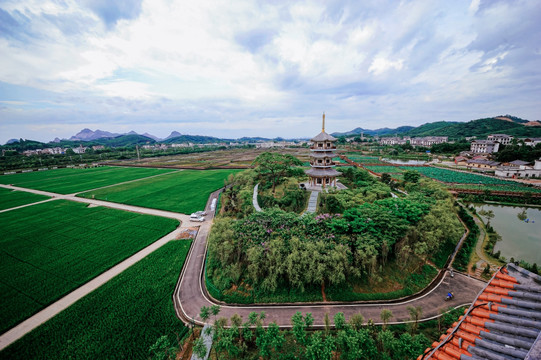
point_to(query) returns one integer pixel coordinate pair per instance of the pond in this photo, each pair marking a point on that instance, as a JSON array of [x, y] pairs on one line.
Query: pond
[[520, 229], [404, 162]]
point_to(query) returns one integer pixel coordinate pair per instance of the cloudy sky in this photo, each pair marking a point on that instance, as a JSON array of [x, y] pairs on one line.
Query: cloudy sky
[[256, 68]]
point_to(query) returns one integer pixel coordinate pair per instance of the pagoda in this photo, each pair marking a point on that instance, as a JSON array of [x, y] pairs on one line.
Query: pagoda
[[322, 149]]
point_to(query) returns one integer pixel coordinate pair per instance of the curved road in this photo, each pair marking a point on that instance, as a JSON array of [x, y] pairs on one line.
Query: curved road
[[189, 295]]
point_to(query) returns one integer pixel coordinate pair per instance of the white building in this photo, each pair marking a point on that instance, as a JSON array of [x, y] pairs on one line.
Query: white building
[[501, 138], [484, 146], [532, 141], [520, 171]]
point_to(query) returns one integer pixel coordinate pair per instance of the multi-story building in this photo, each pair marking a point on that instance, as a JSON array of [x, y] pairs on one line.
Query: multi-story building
[[322, 149], [484, 146], [501, 138]]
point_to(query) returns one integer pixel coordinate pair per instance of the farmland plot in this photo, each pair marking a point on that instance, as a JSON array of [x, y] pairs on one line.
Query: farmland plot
[[183, 191], [385, 169], [10, 198], [120, 320], [49, 249], [450, 176], [71, 180]]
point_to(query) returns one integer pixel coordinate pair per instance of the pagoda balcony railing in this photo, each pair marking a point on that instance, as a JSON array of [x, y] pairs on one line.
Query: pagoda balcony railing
[[332, 147]]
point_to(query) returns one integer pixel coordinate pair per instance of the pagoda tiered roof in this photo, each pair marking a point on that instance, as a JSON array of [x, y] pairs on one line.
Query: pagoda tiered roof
[[504, 322], [323, 136]]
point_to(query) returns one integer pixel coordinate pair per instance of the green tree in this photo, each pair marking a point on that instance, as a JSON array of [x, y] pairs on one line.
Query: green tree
[[215, 310], [162, 349], [385, 316], [199, 348], [411, 176], [270, 341], [356, 321], [274, 166], [204, 313], [415, 313]]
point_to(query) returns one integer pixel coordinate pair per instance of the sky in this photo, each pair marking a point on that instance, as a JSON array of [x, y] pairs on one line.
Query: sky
[[262, 68]]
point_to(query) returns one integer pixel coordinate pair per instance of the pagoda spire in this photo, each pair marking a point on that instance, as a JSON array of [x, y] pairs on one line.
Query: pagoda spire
[[323, 126]]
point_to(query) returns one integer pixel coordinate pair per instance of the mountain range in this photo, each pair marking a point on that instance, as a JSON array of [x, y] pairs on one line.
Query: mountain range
[[508, 124]]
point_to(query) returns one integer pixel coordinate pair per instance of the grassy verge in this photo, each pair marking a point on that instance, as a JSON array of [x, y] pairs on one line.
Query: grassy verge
[[184, 191], [52, 248], [10, 198], [71, 180], [120, 320]]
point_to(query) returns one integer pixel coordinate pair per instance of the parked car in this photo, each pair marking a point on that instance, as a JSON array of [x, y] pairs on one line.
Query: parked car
[[198, 214], [198, 219]]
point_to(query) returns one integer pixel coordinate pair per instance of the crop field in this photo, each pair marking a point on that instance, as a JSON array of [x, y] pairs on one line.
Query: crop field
[[233, 158], [49, 249], [120, 320], [10, 198], [184, 191], [71, 180], [362, 159], [450, 176], [385, 169], [511, 188]]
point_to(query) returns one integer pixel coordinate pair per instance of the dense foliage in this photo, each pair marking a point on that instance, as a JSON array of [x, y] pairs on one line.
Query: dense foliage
[[49, 249], [120, 320], [463, 256], [518, 151], [271, 250], [352, 338]]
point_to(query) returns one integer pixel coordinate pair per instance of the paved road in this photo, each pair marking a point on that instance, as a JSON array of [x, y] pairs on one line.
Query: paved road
[[189, 295]]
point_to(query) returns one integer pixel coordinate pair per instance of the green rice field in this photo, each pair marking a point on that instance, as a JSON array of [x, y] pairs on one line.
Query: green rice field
[[385, 169], [511, 188], [363, 159], [183, 191], [120, 320], [10, 198], [72, 180], [49, 249]]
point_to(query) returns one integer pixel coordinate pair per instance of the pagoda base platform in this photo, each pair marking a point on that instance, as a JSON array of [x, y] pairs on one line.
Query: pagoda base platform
[[339, 186]]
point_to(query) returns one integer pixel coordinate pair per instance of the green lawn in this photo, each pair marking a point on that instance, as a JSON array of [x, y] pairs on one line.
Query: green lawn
[[10, 198], [49, 249], [120, 320], [71, 180], [184, 191]]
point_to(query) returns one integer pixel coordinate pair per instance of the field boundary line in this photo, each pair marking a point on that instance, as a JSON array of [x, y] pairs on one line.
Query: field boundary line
[[125, 182], [26, 205]]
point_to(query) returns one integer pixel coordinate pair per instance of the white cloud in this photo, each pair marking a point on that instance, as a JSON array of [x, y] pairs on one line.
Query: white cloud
[[240, 65]]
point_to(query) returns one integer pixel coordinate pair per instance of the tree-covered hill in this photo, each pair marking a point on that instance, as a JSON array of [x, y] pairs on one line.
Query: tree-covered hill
[[480, 128]]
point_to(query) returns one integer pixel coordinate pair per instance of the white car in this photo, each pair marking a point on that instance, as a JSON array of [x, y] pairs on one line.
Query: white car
[[198, 214], [198, 219]]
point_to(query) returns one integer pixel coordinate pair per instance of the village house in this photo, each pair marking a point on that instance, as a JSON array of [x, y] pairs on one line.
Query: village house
[[501, 138], [484, 146], [483, 164], [519, 169]]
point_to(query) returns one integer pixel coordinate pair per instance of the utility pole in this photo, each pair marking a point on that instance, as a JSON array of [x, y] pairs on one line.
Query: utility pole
[[138, 155]]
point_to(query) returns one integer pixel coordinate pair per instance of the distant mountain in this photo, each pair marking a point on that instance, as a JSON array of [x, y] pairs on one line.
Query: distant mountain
[[173, 134], [151, 136], [11, 141], [481, 128], [508, 124], [196, 139], [88, 135], [377, 132]]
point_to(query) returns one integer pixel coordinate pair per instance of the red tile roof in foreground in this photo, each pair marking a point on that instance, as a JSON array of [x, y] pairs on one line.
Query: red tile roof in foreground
[[504, 322]]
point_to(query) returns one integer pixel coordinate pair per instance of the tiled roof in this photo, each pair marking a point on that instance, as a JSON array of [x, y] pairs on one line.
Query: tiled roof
[[504, 322], [323, 136]]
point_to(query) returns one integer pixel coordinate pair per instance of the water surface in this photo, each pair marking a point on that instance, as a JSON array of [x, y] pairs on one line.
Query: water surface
[[520, 229]]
